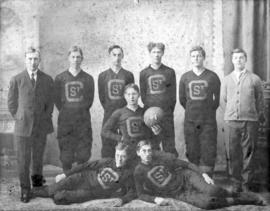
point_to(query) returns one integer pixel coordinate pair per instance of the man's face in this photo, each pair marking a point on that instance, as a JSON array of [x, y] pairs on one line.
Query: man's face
[[116, 57], [131, 96], [32, 61], [196, 58], [145, 153], [239, 61], [120, 158], [156, 55], [75, 59]]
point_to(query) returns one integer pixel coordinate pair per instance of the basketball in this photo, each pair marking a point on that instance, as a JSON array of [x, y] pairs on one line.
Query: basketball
[[153, 116]]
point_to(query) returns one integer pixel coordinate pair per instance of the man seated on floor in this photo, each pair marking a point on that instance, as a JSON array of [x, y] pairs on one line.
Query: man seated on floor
[[105, 178], [159, 178]]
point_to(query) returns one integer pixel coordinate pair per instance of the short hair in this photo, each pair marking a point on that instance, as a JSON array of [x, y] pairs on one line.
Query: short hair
[[239, 50], [122, 146], [75, 48], [133, 86], [114, 47], [158, 45], [31, 49], [143, 143], [198, 48]]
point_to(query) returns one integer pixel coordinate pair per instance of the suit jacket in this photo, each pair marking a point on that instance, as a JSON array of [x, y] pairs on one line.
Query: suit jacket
[[31, 106]]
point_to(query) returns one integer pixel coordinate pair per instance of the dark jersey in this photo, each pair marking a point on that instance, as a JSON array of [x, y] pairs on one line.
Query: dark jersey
[[107, 180], [160, 177], [111, 86], [130, 125], [74, 95], [199, 95], [158, 87]]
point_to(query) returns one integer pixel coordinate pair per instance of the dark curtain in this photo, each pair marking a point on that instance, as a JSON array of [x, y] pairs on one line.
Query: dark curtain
[[246, 25]]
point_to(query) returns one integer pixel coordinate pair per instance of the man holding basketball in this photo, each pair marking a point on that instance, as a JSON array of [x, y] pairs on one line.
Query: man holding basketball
[[129, 121], [158, 88]]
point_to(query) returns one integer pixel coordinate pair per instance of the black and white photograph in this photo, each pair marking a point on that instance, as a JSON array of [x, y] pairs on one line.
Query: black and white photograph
[[134, 105]]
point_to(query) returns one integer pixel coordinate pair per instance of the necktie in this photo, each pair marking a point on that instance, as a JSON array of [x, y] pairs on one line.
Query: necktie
[[240, 75], [33, 81]]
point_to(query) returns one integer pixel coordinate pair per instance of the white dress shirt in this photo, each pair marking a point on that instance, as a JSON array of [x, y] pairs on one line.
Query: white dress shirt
[[239, 74], [33, 72]]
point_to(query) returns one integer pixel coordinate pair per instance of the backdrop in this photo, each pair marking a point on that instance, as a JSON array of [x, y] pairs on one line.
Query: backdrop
[[247, 25]]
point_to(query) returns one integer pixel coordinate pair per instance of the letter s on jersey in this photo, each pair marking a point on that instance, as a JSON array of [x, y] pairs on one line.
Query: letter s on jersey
[[73, 91], [159, 176], [156, 84], [134, 126], [115, 89], [198, 89], [107, 177]]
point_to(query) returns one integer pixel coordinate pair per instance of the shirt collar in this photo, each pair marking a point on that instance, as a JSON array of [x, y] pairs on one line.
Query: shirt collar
[[238, 73], [198, 72], [158, 67], [116, 72], [74, 72], [32, 72]]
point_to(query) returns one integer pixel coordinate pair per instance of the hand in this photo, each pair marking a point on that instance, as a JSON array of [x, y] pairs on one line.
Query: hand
[[161, 201], [156, 129], [60, 177], [117, 203], [208, 179]]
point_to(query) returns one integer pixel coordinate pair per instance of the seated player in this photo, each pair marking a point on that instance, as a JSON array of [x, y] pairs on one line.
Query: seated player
[[105, 178], [159, 178], [129, 122]]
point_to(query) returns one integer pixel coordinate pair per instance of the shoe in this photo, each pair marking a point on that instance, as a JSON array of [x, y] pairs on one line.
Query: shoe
[[25, 196], [252, 198], [40, 191], [245, 188], [38, 180]]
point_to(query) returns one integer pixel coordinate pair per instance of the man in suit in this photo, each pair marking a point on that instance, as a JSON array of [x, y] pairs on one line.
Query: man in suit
[[31, 105]]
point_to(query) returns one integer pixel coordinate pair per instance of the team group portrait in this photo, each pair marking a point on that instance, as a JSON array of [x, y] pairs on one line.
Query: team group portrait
[[136, 104]]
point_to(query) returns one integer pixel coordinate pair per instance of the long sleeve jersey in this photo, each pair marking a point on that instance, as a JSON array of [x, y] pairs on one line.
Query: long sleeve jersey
[[74, 94], [243, 99], [199, 95], [160, 177], [158, 87], [111, 87], [107, 180], [130, 125]]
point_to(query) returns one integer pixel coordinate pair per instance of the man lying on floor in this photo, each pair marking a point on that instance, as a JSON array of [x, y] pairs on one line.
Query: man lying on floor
[[105, 178], [159, 178]]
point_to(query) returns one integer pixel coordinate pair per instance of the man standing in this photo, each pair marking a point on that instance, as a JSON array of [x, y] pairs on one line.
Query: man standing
[[199, 95], [158, 88], [74, 94], [242, 99], [30, 103], [111, 85]]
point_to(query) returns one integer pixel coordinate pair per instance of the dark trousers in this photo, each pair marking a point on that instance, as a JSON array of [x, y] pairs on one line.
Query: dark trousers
[[73, 189], [108, 145], [197, 192], [27, 148], [167, 136], [201, 144], [242, 136], [75, 143]]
